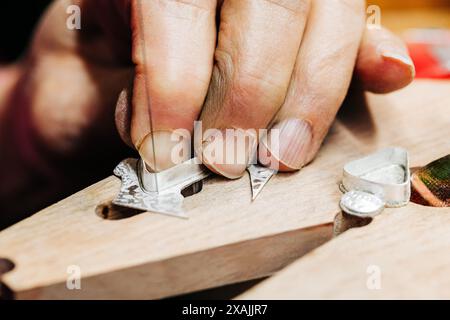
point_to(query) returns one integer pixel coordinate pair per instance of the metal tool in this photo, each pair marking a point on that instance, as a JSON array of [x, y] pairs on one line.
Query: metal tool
[[373, 182], [259, 176], [164, 192], [160, 193]]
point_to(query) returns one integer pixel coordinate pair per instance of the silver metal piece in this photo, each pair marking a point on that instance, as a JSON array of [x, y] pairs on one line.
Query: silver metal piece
[[384, 174], [178, 177], [259, 176], [361, 204], [160, 193]]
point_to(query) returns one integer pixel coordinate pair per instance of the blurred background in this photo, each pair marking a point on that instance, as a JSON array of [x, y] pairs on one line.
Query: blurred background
[[19, 17], [399, 15], [17, 20]]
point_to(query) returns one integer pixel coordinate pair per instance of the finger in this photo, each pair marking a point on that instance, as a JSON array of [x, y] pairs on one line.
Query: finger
[[383, 64], [173, 47], [257, 47], [319, 84]]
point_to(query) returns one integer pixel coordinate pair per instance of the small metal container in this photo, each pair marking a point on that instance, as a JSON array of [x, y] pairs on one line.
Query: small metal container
[[384, 174]]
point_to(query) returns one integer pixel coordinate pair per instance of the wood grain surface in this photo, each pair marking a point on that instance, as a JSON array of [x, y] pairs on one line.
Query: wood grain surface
[[401, 254], [227, 238]]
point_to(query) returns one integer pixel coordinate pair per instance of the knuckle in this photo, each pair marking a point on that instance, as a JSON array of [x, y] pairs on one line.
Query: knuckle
[[196, 5], [236, 92], [295, 7], [166, 91], [253, 93], [355, 6]]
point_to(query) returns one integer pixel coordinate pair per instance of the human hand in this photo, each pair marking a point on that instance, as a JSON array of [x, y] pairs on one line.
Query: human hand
[[284, 64], [281, 63]]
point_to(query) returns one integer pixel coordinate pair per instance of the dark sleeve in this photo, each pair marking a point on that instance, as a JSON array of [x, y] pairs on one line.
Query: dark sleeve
[[17, 21]]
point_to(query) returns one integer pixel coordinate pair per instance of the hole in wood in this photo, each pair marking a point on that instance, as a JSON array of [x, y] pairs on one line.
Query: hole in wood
[[344, 222], [192, 189], [110, 211], [6, 265]]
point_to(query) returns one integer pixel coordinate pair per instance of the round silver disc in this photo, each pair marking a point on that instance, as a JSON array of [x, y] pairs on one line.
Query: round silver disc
[[361, 204]]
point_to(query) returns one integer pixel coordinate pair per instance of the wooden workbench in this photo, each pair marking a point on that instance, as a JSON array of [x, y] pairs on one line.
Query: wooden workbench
[[230, 239], [402, 254]]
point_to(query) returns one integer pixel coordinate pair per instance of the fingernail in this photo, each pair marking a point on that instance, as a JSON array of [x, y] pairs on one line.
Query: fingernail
[[162, 150], [228, 152], [122, 116], [393, 52], [288, 145]]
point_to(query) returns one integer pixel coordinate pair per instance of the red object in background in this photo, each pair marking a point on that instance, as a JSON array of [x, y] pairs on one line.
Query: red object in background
[[430, 52]]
